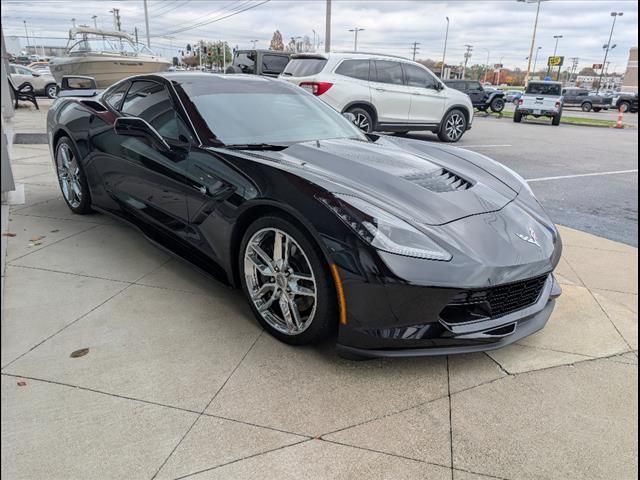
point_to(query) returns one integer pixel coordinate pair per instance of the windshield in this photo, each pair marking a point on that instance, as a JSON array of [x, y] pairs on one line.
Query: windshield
[[544, 88], [103, 44], [284, 117]]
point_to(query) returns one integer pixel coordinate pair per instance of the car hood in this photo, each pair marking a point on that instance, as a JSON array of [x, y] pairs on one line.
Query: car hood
[[428, 186]]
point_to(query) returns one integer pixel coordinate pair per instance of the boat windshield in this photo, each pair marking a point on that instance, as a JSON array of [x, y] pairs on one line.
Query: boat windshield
[[104, 44], [144, 50]]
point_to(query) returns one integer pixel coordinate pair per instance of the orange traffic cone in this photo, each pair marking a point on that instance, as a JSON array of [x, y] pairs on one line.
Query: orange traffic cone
[[620, 115]]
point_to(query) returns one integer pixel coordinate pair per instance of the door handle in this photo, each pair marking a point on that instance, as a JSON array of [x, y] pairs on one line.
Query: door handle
[[381, 89], [201, 188]]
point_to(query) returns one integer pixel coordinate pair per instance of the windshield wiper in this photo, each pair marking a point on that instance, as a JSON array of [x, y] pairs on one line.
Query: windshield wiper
[[256, 146]]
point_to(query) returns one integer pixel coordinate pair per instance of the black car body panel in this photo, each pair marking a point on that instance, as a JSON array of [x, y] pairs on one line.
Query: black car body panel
[[196, 199], [580, 97]]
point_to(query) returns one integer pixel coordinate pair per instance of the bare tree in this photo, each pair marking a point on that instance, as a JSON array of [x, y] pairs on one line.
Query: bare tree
[[276, 41]]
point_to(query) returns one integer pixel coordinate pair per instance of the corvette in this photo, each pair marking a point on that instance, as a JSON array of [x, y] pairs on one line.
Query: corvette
[[395, 246]]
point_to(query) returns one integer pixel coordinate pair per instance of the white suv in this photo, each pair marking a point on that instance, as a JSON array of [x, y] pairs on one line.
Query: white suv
[[383, 92]]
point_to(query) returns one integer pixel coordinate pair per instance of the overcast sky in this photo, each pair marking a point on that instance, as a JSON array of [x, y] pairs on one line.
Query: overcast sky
[[502, 27]]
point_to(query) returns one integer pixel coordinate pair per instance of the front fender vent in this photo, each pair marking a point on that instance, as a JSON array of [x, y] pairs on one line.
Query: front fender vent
[[440, 181]]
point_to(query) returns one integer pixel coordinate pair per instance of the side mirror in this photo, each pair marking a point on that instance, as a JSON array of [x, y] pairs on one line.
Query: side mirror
[[34, 74], [349, 116], [137, 127]]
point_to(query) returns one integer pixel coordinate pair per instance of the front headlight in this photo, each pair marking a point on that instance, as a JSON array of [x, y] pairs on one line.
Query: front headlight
[[383, 230]]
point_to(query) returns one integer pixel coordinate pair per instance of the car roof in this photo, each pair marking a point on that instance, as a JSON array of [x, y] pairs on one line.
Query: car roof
[[341, 55], [200, 83]]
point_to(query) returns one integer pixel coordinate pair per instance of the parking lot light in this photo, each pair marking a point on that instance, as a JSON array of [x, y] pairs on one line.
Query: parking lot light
[[606, 52]]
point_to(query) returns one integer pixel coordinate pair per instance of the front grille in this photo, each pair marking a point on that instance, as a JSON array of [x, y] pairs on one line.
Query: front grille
[[475, 305], [439, 181]]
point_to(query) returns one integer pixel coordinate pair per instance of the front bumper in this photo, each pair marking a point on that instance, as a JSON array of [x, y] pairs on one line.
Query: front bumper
[[438, 338]]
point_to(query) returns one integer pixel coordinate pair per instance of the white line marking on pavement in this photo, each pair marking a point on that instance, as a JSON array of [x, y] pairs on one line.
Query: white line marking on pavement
[[596, 174], [486, 146]]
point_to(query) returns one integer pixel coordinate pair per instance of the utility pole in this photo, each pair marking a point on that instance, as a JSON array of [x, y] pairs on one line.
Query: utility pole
[[327, 28], [355, 42], [146, 23], [415, 48], [533, 42], [467, 56], [116, 18], [574, 66], [135, 31], [444, 53], [614, 15]]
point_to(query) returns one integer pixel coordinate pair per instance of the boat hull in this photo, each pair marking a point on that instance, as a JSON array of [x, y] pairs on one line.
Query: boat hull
[[106, 71]]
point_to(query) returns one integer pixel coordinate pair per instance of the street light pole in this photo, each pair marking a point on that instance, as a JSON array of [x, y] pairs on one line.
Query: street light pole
[[535, 60], [555, 50], [355, 42], [486, 70], [146, 23], [614, 15], [26, 32], [327, 28], [444, 53]]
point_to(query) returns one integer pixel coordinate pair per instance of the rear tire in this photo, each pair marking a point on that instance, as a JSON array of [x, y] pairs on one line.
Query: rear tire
[[453, 126], [586, 107], [624, 106], [497, 105], [364, 120], [556, 119], [517, 117], [302, 257]]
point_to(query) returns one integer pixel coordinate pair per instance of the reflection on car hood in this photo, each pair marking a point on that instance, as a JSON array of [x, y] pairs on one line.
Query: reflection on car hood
[[426, 186]]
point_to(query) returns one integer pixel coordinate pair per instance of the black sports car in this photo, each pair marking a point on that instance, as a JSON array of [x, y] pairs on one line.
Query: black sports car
[[404, 247]]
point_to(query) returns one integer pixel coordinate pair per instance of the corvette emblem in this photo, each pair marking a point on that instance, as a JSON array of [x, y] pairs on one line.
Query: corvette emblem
[[531, 238]]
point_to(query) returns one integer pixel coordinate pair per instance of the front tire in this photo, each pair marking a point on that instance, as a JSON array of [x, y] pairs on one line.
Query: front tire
[[71, 178], [51, 90], [517, 116], [364, 120], [586, 107], [287, 282], [497, 105], [453, 126]]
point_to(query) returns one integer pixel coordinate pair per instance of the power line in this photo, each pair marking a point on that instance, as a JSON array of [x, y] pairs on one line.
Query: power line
[[243, 7]]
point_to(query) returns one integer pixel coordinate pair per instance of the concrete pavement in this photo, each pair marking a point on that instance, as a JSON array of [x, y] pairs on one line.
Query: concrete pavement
[[179, 380]]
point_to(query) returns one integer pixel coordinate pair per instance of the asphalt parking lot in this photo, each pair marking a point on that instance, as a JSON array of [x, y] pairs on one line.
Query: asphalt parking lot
[[586, 177]]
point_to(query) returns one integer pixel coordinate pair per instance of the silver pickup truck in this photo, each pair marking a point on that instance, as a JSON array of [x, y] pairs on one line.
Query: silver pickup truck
[[541, 99]]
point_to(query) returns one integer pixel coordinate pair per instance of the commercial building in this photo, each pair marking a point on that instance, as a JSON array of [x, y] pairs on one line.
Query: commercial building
[[630, 82]]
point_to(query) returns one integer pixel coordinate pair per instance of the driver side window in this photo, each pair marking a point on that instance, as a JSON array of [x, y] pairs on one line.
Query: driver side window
[[417, 77], [151, 102]]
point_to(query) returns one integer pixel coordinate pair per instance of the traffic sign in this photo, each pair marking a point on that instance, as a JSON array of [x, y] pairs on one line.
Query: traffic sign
[[597, 66], [555, 61]]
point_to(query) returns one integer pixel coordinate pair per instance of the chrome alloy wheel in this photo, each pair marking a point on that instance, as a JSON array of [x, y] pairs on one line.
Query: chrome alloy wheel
[[69, 175], [362, 122], [454, 126], [281, 284]]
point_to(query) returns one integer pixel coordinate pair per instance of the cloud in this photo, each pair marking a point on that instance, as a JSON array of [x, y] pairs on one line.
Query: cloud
[[503, 28]]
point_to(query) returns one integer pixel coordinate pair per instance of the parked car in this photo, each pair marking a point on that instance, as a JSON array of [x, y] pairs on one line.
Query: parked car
[[540, 99], [384, 93], [580, 97], [512, 95], [43, 84], [259, 62], [40, 67], [481, 97], [402, 246], [628, 102]]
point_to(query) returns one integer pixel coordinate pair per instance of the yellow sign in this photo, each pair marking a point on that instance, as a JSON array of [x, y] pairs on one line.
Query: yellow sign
[[555, 61]]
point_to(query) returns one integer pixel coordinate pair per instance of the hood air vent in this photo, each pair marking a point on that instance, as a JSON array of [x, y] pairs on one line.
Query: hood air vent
[[439, 181]]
